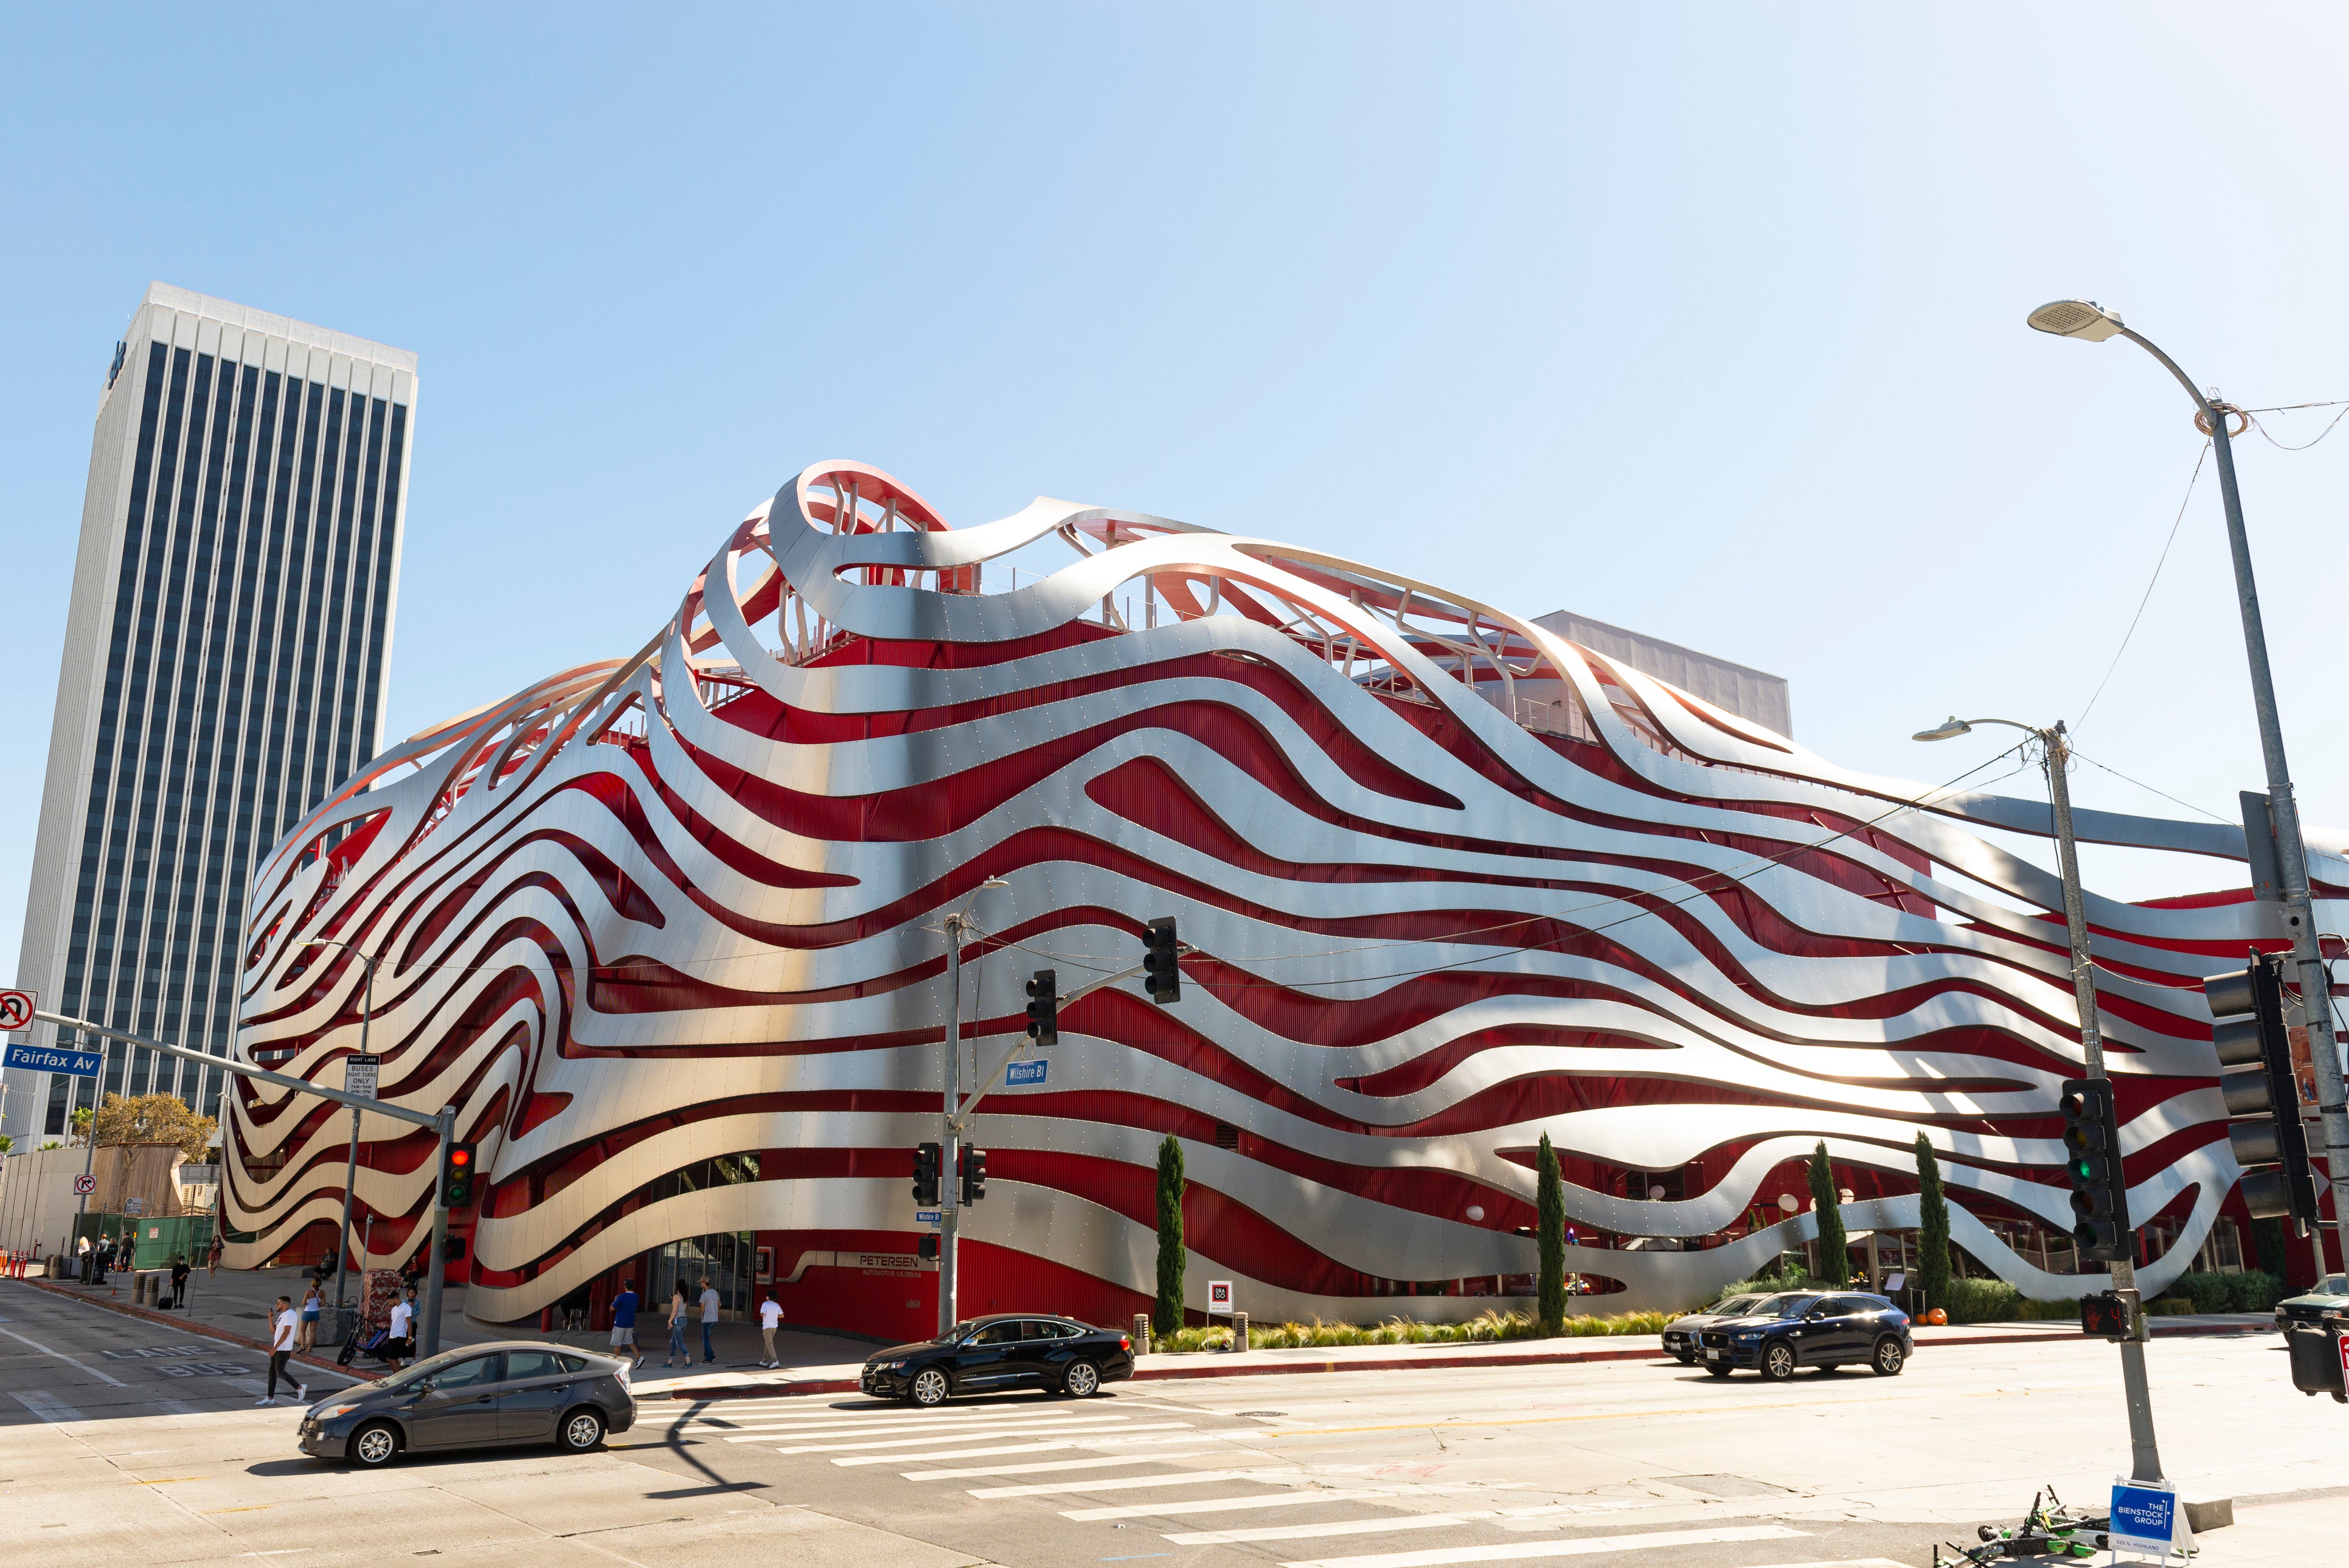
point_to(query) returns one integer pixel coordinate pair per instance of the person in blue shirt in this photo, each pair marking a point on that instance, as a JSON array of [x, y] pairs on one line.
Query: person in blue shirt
[[624, 1324]]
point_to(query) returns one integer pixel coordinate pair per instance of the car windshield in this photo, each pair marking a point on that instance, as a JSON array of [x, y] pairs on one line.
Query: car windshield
[[1736, 1307], [2332, 1284], [1791, 1305], [963, 1330], [421, 1369]]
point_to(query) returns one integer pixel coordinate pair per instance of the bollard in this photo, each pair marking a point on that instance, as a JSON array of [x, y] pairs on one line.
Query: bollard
[[1142, 1334], [1239, 1331]]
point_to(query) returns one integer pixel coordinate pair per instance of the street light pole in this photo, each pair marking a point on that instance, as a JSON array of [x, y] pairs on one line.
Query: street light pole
[[949, 1134], [351, 1168], [2091, 322], [2055, 755]]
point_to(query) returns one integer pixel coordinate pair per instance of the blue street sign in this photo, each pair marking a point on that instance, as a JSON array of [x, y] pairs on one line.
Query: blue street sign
[[1025, 1072], [925, 1216], [2144, 1519], [50, 1059]]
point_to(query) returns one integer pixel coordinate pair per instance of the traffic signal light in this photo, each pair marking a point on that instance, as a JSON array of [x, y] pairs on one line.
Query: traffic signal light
[[457, 1176], [928, 1248], [974, 1175], [2256, 1077], [1044, 1008], [1161, 975], [2106, 1316], [925, 1175], [2091, 1159]]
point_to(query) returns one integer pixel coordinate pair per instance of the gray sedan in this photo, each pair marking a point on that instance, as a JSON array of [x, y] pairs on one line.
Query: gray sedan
[[482, 1396]]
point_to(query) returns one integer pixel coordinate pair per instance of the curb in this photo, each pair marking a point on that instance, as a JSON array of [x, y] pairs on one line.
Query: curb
[[186, 1325], [1208, 1367]]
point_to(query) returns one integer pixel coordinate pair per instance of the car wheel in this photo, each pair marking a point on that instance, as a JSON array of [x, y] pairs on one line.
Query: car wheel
[[1888, 1359], [1777, 1361], [1081, 1380], [375, 1445], [928, 1389], [1716, 1369], [582, 1431]]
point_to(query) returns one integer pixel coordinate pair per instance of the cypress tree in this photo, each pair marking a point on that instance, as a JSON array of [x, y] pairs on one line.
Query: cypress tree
[[1550, 1199], [1168, 1315], [1933, 1228], [1834, 1262]]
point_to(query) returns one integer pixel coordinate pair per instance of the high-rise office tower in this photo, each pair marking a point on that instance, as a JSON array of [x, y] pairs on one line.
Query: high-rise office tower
[[223, 668]]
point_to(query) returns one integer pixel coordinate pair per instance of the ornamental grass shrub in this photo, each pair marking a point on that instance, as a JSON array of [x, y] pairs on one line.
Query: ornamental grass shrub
[[1489, 1328]]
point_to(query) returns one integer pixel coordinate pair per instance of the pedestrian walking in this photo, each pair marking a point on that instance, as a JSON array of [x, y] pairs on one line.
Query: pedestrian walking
[[311, 1301], [280, 1351], [771, 1317], [397, 1337], [624, 1324], [680, 1312], [709, 1321], [211, 1265], [179, 1272]]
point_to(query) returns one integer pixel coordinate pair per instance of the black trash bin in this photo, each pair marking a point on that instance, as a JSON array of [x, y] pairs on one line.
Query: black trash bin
[[2316, 1359]]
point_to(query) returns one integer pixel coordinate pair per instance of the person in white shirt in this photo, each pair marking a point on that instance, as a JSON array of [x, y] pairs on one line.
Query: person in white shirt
[[403, 1317], [281, 1350], [709, 1321], [771, 1317]]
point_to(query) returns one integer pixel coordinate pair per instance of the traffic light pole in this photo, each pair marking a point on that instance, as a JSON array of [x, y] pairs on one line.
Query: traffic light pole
[[2292, 859], [428, 1329], [2143, 1456], [950, 1128]]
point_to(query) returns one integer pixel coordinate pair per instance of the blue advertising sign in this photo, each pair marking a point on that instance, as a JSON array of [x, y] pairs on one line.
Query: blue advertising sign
[[2145, 1519], [50, 1059], [1025, 1072]]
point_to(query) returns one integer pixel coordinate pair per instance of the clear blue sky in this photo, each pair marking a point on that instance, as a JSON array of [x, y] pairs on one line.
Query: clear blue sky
[[1704, 320]]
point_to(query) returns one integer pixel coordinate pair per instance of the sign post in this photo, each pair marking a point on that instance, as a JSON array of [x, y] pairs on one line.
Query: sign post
[[1219, 1297]]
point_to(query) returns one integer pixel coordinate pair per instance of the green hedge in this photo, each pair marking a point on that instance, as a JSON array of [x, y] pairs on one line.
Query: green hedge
[[2250, 1291], [1983, 1301], [1488, 1328]]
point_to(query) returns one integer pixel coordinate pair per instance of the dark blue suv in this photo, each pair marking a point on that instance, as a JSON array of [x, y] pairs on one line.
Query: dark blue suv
[[1808, 1328]]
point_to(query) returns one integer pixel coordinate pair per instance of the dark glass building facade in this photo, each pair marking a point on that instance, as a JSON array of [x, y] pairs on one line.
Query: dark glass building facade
[[231, 620]]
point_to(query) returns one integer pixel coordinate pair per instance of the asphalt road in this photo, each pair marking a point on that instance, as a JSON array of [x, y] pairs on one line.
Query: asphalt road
[[120, 1441]]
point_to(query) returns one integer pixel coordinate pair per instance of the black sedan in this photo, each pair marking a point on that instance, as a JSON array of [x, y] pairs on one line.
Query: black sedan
[[1007, 1350], [482, 1396], [1680, 1334], [1806, 1328]]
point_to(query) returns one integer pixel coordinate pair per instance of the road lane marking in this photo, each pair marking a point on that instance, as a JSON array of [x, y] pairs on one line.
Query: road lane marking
[[1374, 1526], [1220, 1504], [1042, 1466], [950, 1426], [1128, 1482], [64, 1357], [49, 1407], [953, 1453], [1589, 1545], [1053, 1430]]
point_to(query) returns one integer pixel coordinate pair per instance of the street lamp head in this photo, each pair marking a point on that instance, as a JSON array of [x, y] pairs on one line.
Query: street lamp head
[[995, 881], [2081, 318], [1948, 730]]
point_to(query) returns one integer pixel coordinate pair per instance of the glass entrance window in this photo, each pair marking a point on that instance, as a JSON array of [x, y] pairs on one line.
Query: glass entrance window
[[728, 1258]]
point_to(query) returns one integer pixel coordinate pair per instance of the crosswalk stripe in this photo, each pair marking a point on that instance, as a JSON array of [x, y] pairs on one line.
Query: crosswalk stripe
[[946, 1426], [797, 1420], [1219, 1504], [1128, 1482], [1041, 1466], [1379, 1525], [1525, 1551], [1845, 1562], [954, 1453], [1055, 1429]]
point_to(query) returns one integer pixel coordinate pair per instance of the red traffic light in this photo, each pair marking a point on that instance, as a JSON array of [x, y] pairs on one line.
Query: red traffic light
[[461, 1156]]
